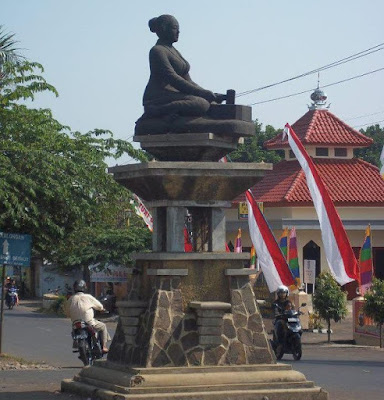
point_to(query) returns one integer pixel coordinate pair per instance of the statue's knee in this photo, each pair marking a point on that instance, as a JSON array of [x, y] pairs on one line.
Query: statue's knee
[[202, 105]]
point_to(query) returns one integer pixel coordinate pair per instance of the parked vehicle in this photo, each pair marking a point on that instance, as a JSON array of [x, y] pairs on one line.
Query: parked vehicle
[[292, 343], [108, 300], [86, 342], [11, 297]]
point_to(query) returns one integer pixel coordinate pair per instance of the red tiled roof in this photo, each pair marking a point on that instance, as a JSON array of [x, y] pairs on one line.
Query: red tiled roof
[[351, 182], [321, 127]]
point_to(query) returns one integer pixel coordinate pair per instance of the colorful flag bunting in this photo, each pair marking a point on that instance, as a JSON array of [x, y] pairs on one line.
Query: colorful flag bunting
[[238, 245], [252, 262], [271, 259], [293, 259], [338, 250], [227, 249], [283, 242], [365, 262]]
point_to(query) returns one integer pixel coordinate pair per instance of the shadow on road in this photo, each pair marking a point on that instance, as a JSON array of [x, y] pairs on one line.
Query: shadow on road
[[38, 395], [365, 364]]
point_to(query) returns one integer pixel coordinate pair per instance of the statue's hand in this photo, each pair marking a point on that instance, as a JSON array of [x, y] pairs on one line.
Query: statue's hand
[[208, 95], [220, 97]]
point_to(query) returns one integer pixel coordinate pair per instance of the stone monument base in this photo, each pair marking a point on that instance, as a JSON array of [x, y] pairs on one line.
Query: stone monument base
[[109, 381]]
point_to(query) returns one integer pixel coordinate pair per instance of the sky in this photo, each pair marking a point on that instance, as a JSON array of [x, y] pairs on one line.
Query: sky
[[95, 53]]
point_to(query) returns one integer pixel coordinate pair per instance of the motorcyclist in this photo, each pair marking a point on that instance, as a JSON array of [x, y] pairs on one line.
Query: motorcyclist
[[11, 284], [280, 305], [81, 307]]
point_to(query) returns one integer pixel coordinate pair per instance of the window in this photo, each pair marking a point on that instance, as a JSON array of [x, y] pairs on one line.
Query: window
[[291, 154], [340, 152], [322, 151]]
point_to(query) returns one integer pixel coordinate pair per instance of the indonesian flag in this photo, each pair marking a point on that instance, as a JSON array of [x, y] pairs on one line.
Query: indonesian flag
[[271, 259], [338, 251]]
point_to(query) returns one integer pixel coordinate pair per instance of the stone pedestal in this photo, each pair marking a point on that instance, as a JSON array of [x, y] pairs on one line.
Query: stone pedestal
[[190, 327]]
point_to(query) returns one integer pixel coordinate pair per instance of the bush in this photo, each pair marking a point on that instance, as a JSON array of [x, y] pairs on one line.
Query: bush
[[329, 301], [58, 305]]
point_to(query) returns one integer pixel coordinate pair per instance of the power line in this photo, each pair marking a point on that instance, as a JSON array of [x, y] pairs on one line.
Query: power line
[[370, 123], [365, 115], [310, 90], [323, 68]]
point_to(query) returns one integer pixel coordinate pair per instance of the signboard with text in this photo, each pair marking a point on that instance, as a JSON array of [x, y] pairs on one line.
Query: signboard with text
[[309, 269], [15, 249], [243, 209]]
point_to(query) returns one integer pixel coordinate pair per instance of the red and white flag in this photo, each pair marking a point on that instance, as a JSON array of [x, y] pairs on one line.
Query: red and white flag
[[338, 251], [271, 259]]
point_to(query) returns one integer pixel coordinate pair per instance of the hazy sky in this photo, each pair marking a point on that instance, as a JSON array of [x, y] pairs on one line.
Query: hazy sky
[[95, 52]]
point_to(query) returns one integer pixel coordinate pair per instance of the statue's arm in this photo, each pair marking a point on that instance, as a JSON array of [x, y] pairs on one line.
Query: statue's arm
[[162, 68]]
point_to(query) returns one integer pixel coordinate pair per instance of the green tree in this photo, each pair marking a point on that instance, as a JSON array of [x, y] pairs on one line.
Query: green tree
[[8, 50], [329, 300], [253, 149], [374, 304], [53, 182], [372, 153]]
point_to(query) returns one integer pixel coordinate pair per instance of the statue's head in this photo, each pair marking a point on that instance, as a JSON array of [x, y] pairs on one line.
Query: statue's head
[[166, 27]]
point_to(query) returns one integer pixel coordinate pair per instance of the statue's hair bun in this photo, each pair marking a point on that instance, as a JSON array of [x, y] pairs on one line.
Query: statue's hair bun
[[153, 24]]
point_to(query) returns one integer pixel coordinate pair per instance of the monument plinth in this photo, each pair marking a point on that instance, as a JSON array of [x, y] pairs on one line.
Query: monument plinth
[[190, 327]]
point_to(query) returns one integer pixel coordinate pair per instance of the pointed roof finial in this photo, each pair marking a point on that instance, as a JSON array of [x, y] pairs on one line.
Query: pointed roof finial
[[319, 97]]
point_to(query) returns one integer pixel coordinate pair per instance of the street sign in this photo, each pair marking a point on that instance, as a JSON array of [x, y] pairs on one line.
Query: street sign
[[15, 249]]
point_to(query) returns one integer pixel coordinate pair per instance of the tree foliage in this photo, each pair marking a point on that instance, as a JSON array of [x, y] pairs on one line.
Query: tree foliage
[[54, 183], [329, 300], [372, 153], [253, 149], [374, 304]]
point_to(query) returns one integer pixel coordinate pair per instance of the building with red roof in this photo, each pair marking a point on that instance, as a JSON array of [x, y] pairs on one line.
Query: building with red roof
[[355, 186]]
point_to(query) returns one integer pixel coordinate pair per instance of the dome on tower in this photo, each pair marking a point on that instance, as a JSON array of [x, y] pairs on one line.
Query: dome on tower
[[319, 100]]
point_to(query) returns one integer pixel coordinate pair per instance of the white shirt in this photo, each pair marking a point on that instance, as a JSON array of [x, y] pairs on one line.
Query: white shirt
[[80, 306]]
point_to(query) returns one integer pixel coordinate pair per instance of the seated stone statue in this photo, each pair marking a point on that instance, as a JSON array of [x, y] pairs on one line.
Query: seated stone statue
[[172, 101]]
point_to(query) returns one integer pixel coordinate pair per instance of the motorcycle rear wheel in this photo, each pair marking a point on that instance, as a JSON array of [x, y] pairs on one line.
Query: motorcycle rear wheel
[[296, 350], [84, 353]]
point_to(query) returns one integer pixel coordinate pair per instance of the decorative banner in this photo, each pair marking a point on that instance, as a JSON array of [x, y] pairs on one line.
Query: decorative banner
[[283, 242], [272, 262], [293, 259], [238, 245], [142, 212], [382, 163], [252, 262], [338, 251], [108, 273], [365, 262]]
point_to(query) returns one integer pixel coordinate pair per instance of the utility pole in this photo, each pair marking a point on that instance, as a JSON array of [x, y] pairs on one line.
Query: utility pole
[[2, 305]]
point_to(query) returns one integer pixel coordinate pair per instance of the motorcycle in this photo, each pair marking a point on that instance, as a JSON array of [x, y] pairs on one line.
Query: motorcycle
[[11, 298], [292, 344], [87, 342]]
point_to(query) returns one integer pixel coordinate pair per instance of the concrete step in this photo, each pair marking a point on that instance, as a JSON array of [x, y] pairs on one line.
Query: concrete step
[[84, 389], [195, 389], [193, 376], [192, 370]]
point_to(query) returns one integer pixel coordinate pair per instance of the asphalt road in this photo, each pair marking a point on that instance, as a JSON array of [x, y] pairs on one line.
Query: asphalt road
[[40, 337], [346, 372]]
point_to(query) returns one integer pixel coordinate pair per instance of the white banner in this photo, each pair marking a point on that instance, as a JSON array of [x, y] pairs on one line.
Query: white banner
[[108, 273], [142, 212]]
